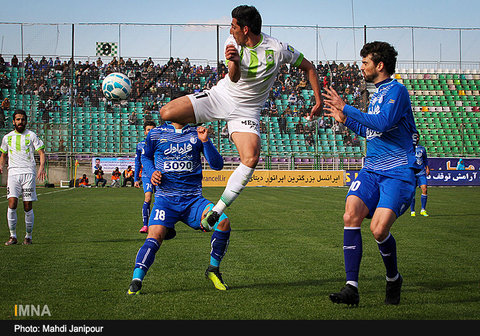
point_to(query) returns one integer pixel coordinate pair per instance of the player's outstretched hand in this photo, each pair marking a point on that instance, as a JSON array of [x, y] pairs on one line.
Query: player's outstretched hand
[[334, 105], [202, 133], [156, 178]]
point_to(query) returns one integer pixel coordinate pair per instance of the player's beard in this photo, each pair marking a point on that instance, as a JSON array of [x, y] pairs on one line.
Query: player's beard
[[370, 78], [20, 128]]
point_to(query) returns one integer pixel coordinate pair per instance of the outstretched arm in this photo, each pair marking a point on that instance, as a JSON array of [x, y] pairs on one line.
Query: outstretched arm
[[312, 76]]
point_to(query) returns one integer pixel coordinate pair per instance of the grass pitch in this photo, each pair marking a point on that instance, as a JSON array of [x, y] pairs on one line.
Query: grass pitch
[[285, 256]]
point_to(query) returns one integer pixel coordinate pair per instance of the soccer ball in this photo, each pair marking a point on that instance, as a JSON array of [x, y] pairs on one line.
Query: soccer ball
[[116, 86]]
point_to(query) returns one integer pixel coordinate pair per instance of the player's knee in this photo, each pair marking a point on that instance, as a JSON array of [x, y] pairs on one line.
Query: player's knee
[[351, 219], [166, 112], [12, 202], [27, 206], [251, 160], [224, 225], [379, 233]]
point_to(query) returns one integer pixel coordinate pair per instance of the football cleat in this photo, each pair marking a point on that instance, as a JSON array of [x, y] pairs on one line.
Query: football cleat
[[27, 241], [212, 273], [144, 229], [348, 295], [135, 286], [11, 241], [424, 213], [412, 213], [208, 222], [392, 291]]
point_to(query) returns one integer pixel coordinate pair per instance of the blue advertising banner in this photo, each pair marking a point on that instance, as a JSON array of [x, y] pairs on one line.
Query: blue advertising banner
[[436, 177], [454, 178]]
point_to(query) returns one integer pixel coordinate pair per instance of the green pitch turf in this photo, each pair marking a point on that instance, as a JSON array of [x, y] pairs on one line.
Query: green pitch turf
[[285, 257]]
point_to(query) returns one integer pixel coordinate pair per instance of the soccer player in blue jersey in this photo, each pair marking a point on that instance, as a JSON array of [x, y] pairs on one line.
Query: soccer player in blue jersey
[[146, 183], [171, 158], [421, 177], [385, 186]]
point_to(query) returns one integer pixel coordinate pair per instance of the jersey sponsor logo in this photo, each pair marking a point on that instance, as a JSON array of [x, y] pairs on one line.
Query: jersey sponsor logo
[[180, 149], [290, 48]]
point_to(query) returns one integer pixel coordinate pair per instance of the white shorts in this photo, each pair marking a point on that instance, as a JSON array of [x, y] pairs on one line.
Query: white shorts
[[22, 185], [211, 105]]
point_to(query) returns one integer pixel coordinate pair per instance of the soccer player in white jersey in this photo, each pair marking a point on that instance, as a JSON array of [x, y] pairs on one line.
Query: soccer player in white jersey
[[253, 59], [20, 145]]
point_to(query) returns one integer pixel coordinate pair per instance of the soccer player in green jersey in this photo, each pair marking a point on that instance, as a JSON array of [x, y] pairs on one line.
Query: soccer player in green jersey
[[19, 145], [254, 60]]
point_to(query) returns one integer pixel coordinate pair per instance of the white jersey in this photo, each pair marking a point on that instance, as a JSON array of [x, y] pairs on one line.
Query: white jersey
[[20, 148], [259, 67]]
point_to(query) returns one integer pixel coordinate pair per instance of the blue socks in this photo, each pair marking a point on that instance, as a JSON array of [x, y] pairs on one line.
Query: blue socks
[[146, 254], [145, 213], [352, 253], [423, 199], [145, 258], [388, 250], [219, 244]]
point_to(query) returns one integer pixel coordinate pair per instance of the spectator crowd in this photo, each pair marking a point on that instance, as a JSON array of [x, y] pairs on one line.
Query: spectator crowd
[[50, 79]]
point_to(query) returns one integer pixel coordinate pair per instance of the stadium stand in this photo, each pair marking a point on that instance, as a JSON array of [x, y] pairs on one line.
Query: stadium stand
[[79, 120]]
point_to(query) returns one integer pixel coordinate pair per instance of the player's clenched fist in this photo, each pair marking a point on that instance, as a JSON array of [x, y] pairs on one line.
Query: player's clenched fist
[[202, 133], [231, 53]]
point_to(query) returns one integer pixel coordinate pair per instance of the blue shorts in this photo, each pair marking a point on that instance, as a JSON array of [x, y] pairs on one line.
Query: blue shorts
[[147, 185], [167, 211], [379, 191], [421, 179]]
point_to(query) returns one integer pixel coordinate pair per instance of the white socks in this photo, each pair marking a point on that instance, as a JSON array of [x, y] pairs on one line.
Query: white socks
[[29, 217], [236, 183], [12, 222]]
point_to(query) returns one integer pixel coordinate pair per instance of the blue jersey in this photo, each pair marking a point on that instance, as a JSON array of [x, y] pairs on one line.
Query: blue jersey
[[422, 159], [388, 127], [176, 154], [138, 160]]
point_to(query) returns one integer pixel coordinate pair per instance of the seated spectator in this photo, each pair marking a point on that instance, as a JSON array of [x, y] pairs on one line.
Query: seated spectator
[[116, 178], [99, 177], [128, 176], [83, 182], [299, 128]]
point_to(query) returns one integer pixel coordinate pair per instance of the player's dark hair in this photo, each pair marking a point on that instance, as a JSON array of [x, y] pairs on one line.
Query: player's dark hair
[[149, 123], [248, 16], [381, 52], [22, 112]]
